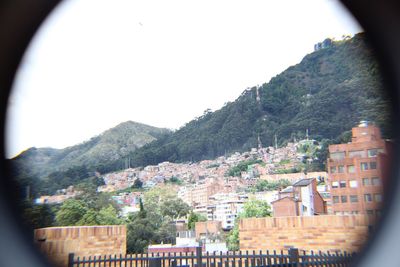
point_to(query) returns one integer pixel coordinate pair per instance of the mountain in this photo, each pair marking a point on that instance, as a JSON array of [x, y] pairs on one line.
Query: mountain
[[105, 152], [327, 93]]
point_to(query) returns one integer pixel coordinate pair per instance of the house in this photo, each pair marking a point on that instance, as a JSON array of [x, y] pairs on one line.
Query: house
[[300, 199]]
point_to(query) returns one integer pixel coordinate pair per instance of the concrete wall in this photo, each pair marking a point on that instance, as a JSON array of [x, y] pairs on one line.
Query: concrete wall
[[325, 233], [57, 242]]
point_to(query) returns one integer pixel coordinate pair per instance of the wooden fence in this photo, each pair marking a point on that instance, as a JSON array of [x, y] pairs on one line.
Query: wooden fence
[[231, 259]]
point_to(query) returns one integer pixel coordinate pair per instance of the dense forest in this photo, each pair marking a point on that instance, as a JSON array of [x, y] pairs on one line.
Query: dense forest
[[327, 93]]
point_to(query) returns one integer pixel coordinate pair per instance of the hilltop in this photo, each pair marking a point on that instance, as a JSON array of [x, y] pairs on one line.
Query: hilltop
[[102, 153]]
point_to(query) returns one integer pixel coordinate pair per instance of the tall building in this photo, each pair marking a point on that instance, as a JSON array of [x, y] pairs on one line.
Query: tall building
[[356, 172]]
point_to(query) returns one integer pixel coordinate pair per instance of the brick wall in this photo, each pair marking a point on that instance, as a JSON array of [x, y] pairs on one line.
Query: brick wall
[[212, 227], [57, 242], [325, 233]]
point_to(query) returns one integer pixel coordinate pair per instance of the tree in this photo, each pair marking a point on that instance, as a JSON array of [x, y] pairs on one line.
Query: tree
[[252, 208], [108, 216], [255, 209], [89, 218], [140, 232], [174, 208], [138, 183], [37, 216], [194, 218], [71, 212]]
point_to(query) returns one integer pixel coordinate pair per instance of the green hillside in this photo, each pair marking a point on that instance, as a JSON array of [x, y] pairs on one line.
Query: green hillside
[[50, 169], [328, 93]]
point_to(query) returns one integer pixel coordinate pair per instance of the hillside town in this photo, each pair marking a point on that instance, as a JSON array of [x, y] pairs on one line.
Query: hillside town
[[349, 194]]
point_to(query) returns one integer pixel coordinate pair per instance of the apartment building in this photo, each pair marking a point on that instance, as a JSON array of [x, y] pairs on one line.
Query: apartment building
[[356, 172]]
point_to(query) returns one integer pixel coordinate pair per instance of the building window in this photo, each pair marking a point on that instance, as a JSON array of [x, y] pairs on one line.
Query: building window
[[342, 184], [372, 152], [353, 183], [333, 169], [343, 199], [351, 169], [364, 166], [341, 169], [367, 198], [370, 212], [378, 197], [357, 153], [335, 184], [353, 198], [365, 181], [375, 181], [335, 199], [372, 165], [378, 213], [337, 155]]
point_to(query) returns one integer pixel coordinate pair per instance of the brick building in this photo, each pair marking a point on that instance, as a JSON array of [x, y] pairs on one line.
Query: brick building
[[356, 172], [300, 199]]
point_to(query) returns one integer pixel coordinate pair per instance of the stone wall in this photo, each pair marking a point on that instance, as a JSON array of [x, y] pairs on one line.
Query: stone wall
[[57, 242], [326, 233]]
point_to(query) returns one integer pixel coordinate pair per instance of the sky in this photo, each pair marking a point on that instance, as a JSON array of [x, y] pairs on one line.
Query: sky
[[96, 63]]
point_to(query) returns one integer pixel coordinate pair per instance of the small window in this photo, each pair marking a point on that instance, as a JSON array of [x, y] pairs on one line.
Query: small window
[[378, 197], [375, 181], [342, 184], [335, 184], [341, 169], [357, 153], [372, 152], [365, 181], [370, 212], [337, 155], [367, 198], [353, 184], [378, 213], [335, 199], [372, 165], [333, 169], [353, 198], [343, 199], [364, 166], [351, 169]]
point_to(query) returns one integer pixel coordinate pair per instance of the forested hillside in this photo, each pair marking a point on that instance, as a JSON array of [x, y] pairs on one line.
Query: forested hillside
[[328, 93], [48, 169]]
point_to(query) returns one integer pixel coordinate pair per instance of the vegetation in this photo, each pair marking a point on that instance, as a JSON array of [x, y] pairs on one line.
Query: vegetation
[[46, 170], [264, 185], [155, 221], [194, 218], [252, 209], [174, 180], [241, 167]]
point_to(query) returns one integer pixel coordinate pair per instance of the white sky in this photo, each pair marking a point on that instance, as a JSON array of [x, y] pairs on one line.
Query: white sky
[[97, 63]]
